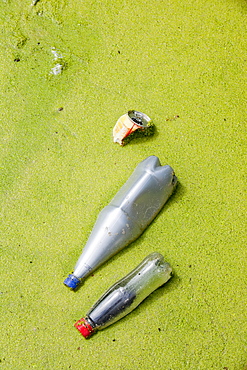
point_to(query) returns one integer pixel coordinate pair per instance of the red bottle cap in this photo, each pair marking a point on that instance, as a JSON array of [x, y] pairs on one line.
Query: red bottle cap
[[84, 328]]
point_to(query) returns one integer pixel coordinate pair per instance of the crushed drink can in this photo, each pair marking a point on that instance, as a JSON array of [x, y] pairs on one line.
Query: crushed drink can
[[130, 122]]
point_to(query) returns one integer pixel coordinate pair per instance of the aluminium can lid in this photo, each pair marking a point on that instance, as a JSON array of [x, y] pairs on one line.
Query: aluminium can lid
[[140, 119]]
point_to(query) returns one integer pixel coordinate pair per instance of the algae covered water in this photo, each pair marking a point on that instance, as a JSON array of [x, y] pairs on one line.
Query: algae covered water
[[68, 71]]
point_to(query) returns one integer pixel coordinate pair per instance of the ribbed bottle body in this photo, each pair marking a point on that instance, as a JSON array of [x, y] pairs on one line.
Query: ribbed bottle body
[[127, 215]]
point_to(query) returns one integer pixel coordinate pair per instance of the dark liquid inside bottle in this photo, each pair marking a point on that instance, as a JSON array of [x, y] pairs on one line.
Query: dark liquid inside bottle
[[111, 305]]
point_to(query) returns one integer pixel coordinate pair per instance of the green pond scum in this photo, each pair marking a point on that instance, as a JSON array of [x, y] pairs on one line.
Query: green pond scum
[[149, 130], [60, 167]]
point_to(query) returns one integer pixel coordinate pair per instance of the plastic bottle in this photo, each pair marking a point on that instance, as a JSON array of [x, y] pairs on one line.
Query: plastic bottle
[[127, 215], [124, 296]]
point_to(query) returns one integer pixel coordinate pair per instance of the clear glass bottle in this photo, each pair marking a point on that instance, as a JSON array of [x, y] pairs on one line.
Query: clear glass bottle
[[125, 295]]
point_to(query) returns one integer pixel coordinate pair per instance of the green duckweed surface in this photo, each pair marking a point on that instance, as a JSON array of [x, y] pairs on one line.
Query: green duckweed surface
[[60, 167]]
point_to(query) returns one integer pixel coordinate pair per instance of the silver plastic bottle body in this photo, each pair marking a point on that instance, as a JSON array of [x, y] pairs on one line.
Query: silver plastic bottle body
[[112, 231], [124, 296], [128, 214]]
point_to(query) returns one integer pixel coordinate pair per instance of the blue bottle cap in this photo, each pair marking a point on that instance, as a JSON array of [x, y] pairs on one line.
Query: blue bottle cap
[[72, 281]]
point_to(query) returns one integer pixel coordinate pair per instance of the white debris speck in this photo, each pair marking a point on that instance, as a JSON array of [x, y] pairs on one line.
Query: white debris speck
[[60, 65], [57, 69], [56, 54]]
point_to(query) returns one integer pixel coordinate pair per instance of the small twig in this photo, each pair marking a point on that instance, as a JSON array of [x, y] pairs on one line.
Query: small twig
[[34, 2], [172, 118]]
